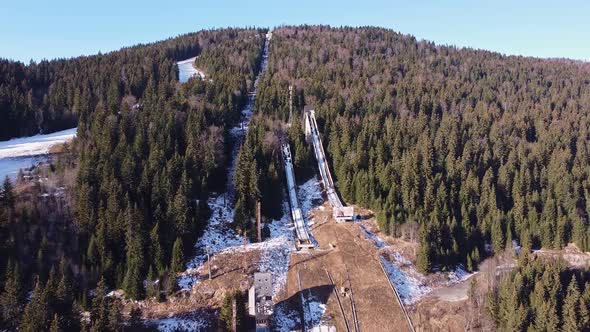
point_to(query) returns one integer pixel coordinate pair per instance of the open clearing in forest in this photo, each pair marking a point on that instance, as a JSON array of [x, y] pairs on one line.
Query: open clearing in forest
[[352, 261]]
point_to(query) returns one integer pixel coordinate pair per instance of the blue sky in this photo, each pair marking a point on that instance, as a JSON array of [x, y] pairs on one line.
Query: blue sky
[[37, 29]]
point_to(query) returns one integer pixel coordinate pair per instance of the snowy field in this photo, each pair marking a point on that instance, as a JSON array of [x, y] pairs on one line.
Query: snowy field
[[187, 70], [29, 151]]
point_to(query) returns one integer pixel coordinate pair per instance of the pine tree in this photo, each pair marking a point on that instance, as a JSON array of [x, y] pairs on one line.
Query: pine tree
[[153, 286], [12, 299], [226, 313], [99, 312], [55, 324], [8, 197], [157, 252], [36, 316], [181, 213], [64, 303], [133, 282], [115, 318], [241, 217], [572, 312], [425, 252], [177, 263]]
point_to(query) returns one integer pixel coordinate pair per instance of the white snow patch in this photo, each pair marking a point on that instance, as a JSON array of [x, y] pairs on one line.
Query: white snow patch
[[379, 243], [458, 275], [181, 324], [218, 235], [26, 152], [409, 287], [313, 312], [187, 70], [285, 320], [34, 145], [115, 293]]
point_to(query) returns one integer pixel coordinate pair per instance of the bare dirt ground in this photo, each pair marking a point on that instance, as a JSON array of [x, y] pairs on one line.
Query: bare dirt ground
[[353, 262], [571, 254], [230, 272]]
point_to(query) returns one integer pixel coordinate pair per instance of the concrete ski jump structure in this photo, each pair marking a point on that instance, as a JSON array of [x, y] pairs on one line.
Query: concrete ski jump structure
[[340, 211], [303, 240]]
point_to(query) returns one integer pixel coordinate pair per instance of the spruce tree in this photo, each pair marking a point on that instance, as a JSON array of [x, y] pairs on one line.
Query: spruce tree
[[156, 246], [12, 298], [37, 315], [115, 318], [55, 324], [99, 312], [177, 263], [572, 312], [133, 282]]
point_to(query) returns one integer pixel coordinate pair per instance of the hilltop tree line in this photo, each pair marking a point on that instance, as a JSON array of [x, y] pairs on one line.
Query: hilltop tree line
[[52, 95], [454, 148], [149, 151]]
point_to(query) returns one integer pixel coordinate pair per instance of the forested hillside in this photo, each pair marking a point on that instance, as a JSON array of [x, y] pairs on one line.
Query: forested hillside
[[149, 151], [52, 95], [455, 147], [542, 295]]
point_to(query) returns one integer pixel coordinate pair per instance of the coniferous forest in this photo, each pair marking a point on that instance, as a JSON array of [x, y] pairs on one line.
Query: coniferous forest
[[466, 152], [457, 148], [149, 151]]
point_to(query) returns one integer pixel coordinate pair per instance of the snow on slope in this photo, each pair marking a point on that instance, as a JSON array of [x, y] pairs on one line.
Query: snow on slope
[[187, 70], [10, 166], [34, 145], [410, 284], [29, 151], [313, 312], [173, 324]]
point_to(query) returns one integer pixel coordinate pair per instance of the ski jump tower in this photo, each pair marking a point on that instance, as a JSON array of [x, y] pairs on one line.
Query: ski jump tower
[[340, 211]]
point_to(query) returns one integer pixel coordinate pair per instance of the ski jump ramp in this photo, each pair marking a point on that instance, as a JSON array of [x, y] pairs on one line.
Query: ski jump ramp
[[303, 238], [340, 211]]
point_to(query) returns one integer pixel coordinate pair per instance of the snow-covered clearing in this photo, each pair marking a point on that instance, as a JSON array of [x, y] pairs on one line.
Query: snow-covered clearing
[[220, 238], [410, 284], [187, 70], [34, 145], [29, 151]]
